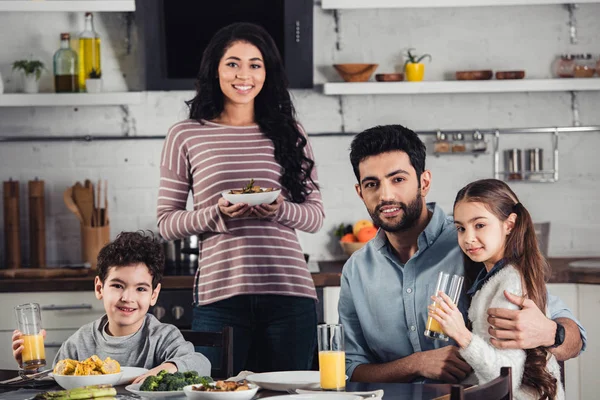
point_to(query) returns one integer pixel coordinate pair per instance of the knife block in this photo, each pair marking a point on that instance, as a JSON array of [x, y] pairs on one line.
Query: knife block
[[93, 238]]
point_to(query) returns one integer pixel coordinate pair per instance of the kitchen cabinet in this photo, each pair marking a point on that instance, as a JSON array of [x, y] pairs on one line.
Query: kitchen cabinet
[[589, 309], [67, 6], [355, 4], [62, 314], [441, 87]]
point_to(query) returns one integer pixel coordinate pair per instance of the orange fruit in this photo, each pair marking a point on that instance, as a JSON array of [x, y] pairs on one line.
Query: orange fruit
[[367, 233], [348, 237], [363, 223]]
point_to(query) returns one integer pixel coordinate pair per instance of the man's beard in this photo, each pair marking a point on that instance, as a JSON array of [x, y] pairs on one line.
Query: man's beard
[[410, 216]]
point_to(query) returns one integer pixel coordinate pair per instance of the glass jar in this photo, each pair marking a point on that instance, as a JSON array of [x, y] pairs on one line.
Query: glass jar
[[441, 144], [597, 67], [479, 144], [65, 67], [565, 66], [458, 144], [584, 66]]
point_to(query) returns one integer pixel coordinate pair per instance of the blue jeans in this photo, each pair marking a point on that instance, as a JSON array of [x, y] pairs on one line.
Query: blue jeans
[[270, 332]]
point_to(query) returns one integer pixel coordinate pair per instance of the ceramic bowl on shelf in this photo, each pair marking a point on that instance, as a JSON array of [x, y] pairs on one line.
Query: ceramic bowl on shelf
[[351, 247], [510, 74], [355, 72], [481, 75], [397, 77]]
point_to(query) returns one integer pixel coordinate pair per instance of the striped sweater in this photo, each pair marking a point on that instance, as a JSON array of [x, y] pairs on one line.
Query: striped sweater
[[238, 255]]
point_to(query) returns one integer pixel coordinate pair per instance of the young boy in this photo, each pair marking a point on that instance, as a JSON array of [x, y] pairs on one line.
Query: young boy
[[128, 283]]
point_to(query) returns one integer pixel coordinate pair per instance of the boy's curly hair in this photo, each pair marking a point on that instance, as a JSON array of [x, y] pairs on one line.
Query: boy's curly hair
[[130, 248]]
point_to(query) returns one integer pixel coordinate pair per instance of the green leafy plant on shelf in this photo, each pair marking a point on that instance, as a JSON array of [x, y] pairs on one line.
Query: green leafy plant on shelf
[[413, 58], [413, 67], [29, 67], [95, 74]]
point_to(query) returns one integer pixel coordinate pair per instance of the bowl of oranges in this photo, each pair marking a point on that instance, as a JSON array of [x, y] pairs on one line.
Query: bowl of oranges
[[353, 237]]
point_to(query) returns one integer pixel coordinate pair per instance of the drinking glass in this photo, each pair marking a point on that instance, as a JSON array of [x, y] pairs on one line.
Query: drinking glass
[[451, 285], [29, 322], [332, 357]]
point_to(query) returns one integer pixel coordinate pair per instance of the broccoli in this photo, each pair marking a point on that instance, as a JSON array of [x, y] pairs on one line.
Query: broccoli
[[179, 375], [176, 384], [190, 374], [162, 373], [162, 386], [150, 384]]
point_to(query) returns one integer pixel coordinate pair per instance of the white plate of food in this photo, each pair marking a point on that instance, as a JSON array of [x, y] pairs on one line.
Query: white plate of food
[[251, 194], [283, 381], [75, 381], [221, 390], [135, 389]]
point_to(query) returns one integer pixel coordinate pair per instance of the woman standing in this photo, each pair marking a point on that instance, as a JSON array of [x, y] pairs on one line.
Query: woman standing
[[251, 274]]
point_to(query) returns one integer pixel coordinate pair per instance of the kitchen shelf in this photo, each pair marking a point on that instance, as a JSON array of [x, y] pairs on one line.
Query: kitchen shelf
[[491, 86], [69, 99], [356, 4], [67, 5]]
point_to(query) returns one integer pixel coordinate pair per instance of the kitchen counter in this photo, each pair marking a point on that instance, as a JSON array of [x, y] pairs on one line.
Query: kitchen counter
[[329, 275]]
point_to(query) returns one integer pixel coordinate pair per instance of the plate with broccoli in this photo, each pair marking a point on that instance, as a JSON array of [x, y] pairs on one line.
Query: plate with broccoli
[[167, 385]]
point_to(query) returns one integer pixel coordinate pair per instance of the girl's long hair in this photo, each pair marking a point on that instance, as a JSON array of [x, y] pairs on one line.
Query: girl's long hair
[[522, 251], [273, 109]]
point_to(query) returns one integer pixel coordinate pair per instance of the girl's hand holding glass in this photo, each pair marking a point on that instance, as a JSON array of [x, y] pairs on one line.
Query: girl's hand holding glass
[[18, 345], [450, 318], [268, 210]]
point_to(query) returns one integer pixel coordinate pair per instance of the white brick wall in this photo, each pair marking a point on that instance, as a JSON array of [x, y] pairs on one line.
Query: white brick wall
[[463, 38]]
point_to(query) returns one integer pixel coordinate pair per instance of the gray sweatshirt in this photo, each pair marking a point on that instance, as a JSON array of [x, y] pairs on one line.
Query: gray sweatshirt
[[153, 344]]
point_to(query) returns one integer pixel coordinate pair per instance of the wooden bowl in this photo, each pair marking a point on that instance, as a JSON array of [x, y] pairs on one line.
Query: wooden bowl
[[474, 75], [351, 247], [510, 74], [389, 77], [355, 72]]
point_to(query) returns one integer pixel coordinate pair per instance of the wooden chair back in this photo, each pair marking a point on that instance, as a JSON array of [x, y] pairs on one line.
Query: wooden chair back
[[223, 339]]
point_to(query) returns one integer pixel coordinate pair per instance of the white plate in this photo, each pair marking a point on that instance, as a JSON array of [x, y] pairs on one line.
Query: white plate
[[319, 396], [287, 380], [135, 389], [72, 381], [241, 395], [252, 199], [130, 373]]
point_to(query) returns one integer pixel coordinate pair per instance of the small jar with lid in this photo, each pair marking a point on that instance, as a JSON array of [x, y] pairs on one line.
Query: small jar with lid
[[458, 143], [584, 66], [479, 144], [565, 66], [441, 144]]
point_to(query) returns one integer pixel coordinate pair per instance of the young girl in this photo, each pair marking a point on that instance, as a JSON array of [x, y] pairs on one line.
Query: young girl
[[495, 229], [251, 273]]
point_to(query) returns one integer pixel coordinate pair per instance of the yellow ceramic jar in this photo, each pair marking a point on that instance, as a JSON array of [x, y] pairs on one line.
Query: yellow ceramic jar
[[415, 71]]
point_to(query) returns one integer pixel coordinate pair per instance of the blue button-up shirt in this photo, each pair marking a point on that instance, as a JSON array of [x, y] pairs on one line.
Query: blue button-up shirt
[[383, 303]]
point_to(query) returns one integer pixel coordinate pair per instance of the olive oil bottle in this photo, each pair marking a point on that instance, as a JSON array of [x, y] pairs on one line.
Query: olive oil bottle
[[89, 51], [65, 67]]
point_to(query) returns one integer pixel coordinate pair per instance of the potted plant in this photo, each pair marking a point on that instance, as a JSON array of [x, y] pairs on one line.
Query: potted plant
[[31, 70], [413, 67], [93, 84]]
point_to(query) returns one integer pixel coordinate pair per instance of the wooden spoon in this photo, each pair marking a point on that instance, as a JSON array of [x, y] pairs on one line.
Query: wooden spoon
[[84, 198], [70, 203]]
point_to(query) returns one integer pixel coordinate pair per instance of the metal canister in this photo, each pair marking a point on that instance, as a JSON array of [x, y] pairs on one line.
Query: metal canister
[[534, 160], [513, 164]]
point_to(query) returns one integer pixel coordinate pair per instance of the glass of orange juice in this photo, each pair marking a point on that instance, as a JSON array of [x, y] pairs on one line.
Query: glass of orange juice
[[29, 322], [451, 285], [332, 357]]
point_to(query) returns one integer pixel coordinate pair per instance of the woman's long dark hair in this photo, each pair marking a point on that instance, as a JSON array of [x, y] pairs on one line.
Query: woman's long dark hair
[[522, 251], [273, 109]]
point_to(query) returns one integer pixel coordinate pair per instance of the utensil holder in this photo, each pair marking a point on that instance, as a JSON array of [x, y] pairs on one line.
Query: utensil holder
[[93, 238]]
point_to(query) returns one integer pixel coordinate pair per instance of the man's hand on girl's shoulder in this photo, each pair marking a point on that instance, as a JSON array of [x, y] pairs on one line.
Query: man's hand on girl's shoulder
[[526, 328]]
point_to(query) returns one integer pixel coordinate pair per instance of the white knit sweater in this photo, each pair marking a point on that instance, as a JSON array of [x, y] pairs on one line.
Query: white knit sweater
[[487, 360]]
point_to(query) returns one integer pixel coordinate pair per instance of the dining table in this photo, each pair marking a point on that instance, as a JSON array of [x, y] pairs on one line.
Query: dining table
[[392, 391]]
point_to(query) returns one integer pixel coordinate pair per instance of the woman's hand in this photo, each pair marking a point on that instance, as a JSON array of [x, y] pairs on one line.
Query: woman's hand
[[450, 318], [170, 367], [18, 347], [268, 210], [239, 210]]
